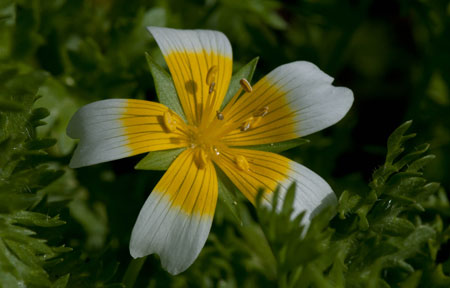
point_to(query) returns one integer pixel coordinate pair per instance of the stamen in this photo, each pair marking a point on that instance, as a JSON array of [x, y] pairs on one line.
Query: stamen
[[242, 163], [169, 123], [246, 85], [246, 124], [262, 112], [216, 151], [211, 87], [200, 158], [211, 75], [219, 115], [259, 114]]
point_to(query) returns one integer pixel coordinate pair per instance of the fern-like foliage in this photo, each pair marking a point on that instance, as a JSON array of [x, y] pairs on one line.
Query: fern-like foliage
[[381, 238], [25, 258], [386, 236]]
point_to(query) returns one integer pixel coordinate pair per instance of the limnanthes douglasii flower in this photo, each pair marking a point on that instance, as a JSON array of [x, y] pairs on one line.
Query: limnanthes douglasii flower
[[292, 101]]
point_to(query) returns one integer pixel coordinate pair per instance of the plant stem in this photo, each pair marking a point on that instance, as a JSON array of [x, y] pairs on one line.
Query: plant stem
[[133, 271]]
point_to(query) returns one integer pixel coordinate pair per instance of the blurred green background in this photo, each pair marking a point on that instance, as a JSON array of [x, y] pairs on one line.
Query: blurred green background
[[393, 54]]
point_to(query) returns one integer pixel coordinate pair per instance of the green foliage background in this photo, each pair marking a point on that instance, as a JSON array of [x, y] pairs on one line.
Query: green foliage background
[[70, 228]]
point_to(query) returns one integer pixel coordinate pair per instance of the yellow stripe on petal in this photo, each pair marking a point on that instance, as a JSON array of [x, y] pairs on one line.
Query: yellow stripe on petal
[[200, 62], [188, 187], [294, 100], [177, 216], [252, 176], [268, 170], [118, 128]]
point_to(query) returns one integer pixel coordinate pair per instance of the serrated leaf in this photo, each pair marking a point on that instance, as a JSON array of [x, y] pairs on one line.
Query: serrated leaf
[[410, 157], [37, 144], [245, 72], [412, 281], [158, 160], [11, 106], [278, 147], [415, 240], [38, 114], [394, 226], [420, 163], [29, 218], [165, 89], [396, 139], [288, 201], [61, 282], [10, 202], [347, 203]]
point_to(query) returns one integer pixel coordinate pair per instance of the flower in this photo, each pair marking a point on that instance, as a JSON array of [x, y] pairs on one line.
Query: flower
[[292, 101]]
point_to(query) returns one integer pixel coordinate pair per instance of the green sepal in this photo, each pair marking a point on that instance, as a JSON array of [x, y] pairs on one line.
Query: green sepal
[[245, 72], [227, 194], [165, 89], [277, 147], [158, 160]]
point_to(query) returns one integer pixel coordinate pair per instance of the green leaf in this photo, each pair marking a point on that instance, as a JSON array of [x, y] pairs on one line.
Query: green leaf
[[278, 147], [165, 89], [245, 72], [158, 160]]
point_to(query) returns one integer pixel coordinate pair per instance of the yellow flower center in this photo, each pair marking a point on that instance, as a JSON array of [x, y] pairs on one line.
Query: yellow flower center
[[206, 135]]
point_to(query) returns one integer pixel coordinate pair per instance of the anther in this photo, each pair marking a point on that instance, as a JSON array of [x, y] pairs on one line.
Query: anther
[[169, 123], [219, 115], [262, 112], [246, 124], [242, 163], [211, 87], [200, 158], [211, 75], [246, 85]]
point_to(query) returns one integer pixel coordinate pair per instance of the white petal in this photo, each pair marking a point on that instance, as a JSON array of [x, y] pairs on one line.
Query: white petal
[[191, 55], [174, 235], [318, 104], [267, 170], [119, 128], [177, 216], [312, 193], [299, 99], [175, 40]]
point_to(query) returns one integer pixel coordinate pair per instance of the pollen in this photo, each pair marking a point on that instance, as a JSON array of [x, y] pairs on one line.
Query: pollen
[[242, 163], [246, 85], [169, 123]]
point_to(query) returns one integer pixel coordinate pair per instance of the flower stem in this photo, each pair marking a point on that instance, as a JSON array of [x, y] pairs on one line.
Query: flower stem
[[133, 271]]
